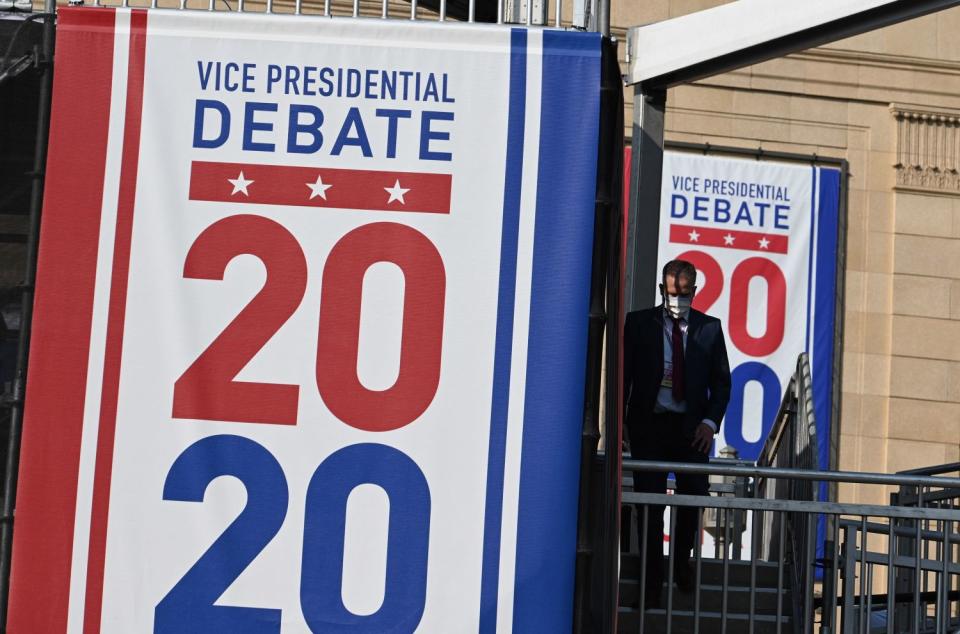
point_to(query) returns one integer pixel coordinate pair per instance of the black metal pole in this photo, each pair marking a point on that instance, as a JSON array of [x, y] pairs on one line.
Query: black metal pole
[[12, 457], [592, 536], [590, 435], [646, 170], [609, 566]]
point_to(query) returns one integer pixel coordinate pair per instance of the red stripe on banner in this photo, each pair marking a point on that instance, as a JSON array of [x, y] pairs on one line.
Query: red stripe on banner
[[320, 187], [727, 239], [115, 322], [63, 312]]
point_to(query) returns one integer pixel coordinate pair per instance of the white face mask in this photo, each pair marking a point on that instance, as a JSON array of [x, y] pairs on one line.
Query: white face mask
[[678, 307]]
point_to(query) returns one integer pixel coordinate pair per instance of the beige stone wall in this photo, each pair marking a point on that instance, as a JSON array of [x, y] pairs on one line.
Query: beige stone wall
[[888, 103]]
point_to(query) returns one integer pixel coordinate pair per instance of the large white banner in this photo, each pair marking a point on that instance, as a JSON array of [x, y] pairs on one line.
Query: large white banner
[[763, 236], [311, 327]]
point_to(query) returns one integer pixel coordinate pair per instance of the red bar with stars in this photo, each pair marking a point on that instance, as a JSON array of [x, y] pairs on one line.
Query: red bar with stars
[[320, 187], [727, 239]]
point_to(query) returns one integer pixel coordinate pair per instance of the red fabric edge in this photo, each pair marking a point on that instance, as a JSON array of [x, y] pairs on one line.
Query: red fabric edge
[[115, 322], [56, 386]]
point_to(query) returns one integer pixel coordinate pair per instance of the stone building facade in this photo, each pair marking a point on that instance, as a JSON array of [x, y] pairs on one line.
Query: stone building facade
[[889, 103]]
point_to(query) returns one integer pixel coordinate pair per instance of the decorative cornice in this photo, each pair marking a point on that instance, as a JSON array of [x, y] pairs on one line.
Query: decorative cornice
[[879, 60], [928, 148]]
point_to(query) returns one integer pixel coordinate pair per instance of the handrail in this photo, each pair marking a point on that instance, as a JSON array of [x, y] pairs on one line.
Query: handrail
[[796, 406], [792, 506], [934, 469], [919, 558], [792, 443], [774, 473], [789, 519]]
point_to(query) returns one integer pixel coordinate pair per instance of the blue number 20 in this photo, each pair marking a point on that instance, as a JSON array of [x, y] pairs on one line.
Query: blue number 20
[[189, 607], [767, 378], [407, 540]]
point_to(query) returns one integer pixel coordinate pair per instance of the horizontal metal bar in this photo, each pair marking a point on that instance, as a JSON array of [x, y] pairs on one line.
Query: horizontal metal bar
[[907, 499], [898, 597], [934, 470], [715, 487], [877, 528], [827, 508], [714, 460], [328, 12], [904, 561], [778, 473], [758, 153]]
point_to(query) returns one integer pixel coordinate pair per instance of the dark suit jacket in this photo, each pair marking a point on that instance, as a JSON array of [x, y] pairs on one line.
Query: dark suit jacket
[[707, 371]]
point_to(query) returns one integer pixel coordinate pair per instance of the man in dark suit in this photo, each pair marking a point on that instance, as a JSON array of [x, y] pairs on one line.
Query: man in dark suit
[[677, 385]]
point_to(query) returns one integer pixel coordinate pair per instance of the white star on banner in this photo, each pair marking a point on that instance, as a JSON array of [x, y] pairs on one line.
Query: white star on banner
[[396, 192], [240, 184], [694, 236], [728, 239], [318, 188], [764, 243]]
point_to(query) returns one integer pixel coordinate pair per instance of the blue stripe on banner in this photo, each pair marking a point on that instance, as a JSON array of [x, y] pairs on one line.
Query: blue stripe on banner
[[556, 351], [490, 575], [823, 328], [810, 279], [825, 302]]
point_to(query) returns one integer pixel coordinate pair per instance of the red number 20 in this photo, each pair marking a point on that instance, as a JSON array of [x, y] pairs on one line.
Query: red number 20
[[740, 299], [339, 337], [207, 389]]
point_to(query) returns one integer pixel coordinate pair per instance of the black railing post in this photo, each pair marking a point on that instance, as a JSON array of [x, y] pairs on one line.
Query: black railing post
[[593, 606], [12, 453]]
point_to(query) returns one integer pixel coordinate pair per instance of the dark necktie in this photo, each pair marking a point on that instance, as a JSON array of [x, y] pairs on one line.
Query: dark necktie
[[679, 392]]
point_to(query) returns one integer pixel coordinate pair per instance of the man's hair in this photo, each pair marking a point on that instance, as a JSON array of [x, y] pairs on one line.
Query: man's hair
[[678, 269]]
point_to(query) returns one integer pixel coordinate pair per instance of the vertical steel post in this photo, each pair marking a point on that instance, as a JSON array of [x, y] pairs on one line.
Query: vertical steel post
[[781, 523], [603, 17], [891, 573], [598, 515], [643, 564], [698, 556], [754, 547], [671, 557], [581, 14], [917, 607], [834, 574], [643, 221], [612, 437], [589, 540], [12, 457], [527, 12]]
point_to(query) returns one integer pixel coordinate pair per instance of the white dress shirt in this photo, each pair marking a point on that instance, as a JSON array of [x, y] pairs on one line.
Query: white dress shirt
[[665, 401]]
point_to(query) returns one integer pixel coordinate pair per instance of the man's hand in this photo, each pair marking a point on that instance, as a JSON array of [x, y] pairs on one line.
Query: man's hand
[[702, 438]]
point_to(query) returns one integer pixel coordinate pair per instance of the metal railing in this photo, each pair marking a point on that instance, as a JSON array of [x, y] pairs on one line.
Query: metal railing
[[587, 14], [776, 582], [757, 591], [792, 441], [41, 58], [792, 444], [720, 526], [922, 541]]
